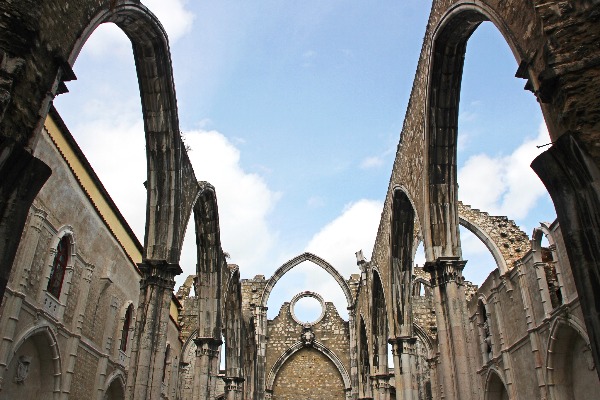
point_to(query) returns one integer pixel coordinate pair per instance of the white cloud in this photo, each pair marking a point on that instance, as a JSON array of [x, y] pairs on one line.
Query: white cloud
[[355, 229], [173, 15], [244, 201], [109, 40], [504, 185], [111, 135], [371, 162]]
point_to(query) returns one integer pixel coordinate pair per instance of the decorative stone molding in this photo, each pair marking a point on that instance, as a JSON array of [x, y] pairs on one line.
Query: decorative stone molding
[[403, 345], [445, 270], [285, 268], [302, 295], [159, 272]]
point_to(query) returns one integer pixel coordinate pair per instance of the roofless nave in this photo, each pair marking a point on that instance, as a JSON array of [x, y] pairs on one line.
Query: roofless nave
[[75, 323]]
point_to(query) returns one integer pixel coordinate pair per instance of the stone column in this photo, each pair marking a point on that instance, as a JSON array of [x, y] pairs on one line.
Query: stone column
[[234, 388], [150, 335], [503, 349], [107, 341], [260, 314], [207, 368], [353, 353], [403, 350], [380, 384], [79, 315], [432, 363], [451, 315], [534, 340], [12, 309]]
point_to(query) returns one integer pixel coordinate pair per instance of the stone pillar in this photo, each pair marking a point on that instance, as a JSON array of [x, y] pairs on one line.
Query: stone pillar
[[403, 350], [503, 349], [207, 368], [107, 340], [150, 336], [12, 309], [234, 388], [380, 384], [79, 315], [353, 353], [432, 363], [260, 315], [451, 317], [534, 340]]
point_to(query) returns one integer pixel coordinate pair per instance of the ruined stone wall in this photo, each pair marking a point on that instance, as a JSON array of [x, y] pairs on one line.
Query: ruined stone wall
[[521, 326], [332, 331], [308, 374]]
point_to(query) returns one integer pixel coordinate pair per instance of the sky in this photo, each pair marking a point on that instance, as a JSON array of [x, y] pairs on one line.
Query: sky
[[293, 111]]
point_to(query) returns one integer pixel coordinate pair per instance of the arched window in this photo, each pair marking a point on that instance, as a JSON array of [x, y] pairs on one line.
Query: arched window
[[126, 327], [59, 266]]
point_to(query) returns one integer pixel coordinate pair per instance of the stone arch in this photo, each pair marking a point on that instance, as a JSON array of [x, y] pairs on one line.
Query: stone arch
[[495, 389], [422, 335], [404, 223], [187, 367], [115, 387], [570, 368], [487, 241], [448, 46], [171, 183], [299, 346], [42, 356], [379, 324], [233, 326], [285, 268], [425, 367], [549, 273], [420, 283], [364, 372], [210, 262]]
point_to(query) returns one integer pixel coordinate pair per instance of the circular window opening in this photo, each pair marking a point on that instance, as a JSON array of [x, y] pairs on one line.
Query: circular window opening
[[307, 308]]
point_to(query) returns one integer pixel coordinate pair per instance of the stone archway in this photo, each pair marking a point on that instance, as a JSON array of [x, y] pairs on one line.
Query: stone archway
[[495, 388], [116, 388], [308, 370], [285, 268], [34, 370], [571, 371]]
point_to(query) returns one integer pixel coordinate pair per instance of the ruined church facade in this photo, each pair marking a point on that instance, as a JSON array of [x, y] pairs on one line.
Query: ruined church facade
[[68, 323]]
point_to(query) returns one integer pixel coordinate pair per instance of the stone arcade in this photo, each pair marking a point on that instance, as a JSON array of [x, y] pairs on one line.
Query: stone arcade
[[70, 329]]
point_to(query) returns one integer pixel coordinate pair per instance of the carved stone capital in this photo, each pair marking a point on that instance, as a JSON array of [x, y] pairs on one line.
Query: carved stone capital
[[445, 270], [380, 381], [233, 384], [403, 345], [159, 273]]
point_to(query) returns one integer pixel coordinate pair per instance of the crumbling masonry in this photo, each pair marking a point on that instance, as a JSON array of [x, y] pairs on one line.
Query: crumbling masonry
[[74, 322]]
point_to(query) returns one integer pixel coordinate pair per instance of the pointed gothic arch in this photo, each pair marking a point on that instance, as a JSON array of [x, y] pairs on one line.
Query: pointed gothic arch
[[285, 268], [449, 42], [171, 183], [299, 346]]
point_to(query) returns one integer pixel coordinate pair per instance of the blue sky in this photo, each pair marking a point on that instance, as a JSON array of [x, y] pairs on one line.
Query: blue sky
[[293, 111]]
